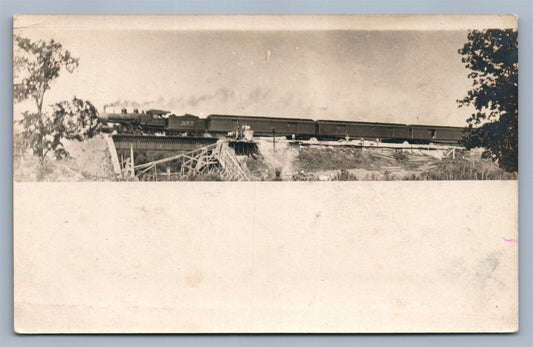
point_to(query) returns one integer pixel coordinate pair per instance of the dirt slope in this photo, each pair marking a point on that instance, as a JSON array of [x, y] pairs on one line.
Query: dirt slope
[[337, 162], [88, 160]]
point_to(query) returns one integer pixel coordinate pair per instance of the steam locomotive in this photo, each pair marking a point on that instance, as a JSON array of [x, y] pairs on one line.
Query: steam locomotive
[[163, 122]]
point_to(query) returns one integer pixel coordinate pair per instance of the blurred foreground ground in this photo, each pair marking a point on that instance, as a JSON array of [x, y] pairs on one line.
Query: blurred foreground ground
[[90, 160]]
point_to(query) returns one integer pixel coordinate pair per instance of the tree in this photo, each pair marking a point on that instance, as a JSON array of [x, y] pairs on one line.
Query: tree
[[76, 119], [41, 63], [492, 57], [71, 120], [36, 66]]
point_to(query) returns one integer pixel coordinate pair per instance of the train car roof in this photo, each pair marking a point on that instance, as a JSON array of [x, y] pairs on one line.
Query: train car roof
[[357, 122], [436, 126], [261, 117], [186, 115]]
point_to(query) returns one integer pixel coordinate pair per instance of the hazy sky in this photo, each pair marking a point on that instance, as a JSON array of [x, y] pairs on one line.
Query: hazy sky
[[408, 76]]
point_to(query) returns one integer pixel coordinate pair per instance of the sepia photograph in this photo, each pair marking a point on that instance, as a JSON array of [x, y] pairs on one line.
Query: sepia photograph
[[265, 174], [209, 100]]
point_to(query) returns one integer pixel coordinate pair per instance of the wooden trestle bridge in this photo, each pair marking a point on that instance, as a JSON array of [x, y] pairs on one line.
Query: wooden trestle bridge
[[217, 157]]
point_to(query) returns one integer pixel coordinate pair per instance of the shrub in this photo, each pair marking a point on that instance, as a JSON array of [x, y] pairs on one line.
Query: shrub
[[344, 175], [400, 155], [462, 169]]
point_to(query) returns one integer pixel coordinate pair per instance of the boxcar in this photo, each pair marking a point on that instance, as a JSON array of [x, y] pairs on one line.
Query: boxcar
[[384, 131], [186, 124], [429, 133], [263, 126]]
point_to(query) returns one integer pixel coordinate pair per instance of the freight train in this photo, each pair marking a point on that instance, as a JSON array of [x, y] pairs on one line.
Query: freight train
[[163, 122]]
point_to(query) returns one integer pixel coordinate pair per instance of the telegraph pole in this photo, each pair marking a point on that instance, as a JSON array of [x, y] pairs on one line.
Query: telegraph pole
[[274, 139]]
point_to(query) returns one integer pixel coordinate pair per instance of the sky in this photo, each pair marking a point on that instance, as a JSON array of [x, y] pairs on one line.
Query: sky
[[401, 76]]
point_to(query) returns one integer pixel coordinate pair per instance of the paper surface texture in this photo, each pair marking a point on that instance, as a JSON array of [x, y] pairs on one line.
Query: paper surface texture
[[376, 253]]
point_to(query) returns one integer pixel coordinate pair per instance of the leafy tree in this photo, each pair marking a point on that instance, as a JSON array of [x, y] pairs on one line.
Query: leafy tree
[[492, 57], [71, 120], [76, 119], [41, 134], [36, 66], [40, 63]]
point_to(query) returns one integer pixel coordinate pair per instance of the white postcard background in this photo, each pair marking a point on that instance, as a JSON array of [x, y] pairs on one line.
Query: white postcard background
[[266, 257]]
